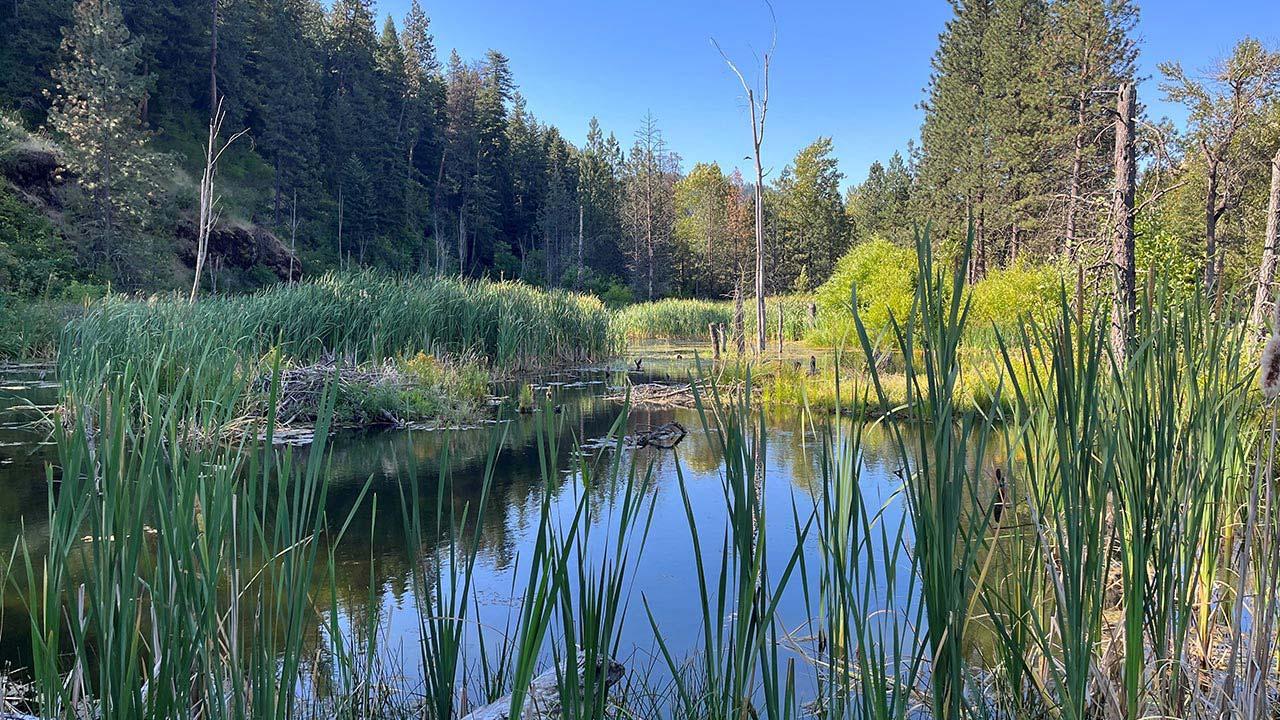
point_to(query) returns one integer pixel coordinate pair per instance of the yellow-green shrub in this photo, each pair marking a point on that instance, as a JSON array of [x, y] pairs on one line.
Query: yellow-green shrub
[[884, 275]]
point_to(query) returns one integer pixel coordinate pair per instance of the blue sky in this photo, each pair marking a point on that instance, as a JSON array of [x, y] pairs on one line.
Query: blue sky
[[852, 70]]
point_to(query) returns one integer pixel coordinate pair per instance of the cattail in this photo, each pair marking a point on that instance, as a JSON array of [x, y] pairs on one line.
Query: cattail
[[1271, 368]]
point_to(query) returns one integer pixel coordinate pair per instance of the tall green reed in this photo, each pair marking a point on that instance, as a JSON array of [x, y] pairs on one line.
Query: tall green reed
[[738, 669], [941, 462], [178, 573]]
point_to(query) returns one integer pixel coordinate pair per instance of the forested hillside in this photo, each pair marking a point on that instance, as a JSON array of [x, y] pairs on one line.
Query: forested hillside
[[366, 144]]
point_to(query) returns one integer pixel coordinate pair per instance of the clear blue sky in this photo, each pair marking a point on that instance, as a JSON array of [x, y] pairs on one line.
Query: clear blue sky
[[854, 70]]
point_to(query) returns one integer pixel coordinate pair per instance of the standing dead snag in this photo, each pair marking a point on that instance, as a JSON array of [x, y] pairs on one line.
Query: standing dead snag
[[1267, 270], [758, 105], [208, 201], [1122, 250]]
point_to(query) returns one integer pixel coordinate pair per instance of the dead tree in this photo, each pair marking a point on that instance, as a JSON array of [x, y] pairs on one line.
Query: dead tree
[[208, 201], [1267, 270], [758, 105], [1122, 249]]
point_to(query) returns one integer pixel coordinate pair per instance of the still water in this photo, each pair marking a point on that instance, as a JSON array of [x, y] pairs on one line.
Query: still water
[[374, 552]]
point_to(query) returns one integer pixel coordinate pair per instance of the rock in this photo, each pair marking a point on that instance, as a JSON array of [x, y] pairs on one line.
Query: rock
[[33, 169], [240, 245], [542, 701]]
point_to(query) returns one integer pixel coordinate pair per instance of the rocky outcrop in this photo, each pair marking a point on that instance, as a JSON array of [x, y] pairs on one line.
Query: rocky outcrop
[[33, 170], [239, 245]]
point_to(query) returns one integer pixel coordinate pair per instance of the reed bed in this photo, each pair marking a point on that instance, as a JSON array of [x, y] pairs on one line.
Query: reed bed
[[681, 319], [363, 316], [1100, 543]]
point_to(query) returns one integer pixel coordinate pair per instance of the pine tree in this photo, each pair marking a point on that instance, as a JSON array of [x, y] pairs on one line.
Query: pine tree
[[424, 123], [29, 48], [1021, 126], [95, 113], [880, 206], [648, 214], [1223, 107], [1088, 52], [701, 206], [600, 195], [282, 89], [810, 215], [955, 161]]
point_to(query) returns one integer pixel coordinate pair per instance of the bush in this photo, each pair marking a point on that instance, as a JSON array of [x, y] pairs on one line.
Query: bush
[[884, 276], [1007, 295]]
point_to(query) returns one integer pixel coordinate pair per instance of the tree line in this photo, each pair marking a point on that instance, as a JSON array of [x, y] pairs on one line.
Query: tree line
[[366, 148]]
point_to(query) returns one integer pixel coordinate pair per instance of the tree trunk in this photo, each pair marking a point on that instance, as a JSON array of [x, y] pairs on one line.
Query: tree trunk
[[462, 243], [213, 56], [739, 324], [760, 340], [1125, 303], [1267, 271], [1211, 215], [1077, 170], [577, 283]]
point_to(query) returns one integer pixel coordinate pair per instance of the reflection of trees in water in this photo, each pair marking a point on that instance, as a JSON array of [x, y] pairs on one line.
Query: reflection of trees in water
[[375, 549]]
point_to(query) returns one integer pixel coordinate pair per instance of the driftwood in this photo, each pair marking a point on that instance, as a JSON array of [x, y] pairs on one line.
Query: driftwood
[[664, 436], [542, 702]]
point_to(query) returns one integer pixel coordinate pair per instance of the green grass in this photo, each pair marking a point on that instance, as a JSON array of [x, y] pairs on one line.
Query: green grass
[[364, 316], [688, 319], [360, 320]]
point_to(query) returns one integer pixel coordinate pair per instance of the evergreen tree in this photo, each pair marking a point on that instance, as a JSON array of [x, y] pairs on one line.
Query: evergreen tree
[[1021, 126], [424, 113], [282, 94], [809, 216], [95, 114], [1088, 52], [600, 166], [29, 47], [954, 167], [648, 213], [702, 205], [881, 205]]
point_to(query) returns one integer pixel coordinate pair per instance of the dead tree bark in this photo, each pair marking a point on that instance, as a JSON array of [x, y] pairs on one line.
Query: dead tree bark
[[1267, 270], [1122, 250], [758, 104], [208, 201]]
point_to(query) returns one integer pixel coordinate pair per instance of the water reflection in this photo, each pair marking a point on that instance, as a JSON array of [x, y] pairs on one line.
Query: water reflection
[[374, 567]]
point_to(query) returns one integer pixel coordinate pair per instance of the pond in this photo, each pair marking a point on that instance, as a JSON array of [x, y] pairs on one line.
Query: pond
[[374, 552]]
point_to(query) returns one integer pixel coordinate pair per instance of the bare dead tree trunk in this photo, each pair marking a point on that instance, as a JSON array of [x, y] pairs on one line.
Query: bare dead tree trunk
[[577, 283], [1267, 270], [208, 201], [339, 225], [1125, 302], [758, 103]]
